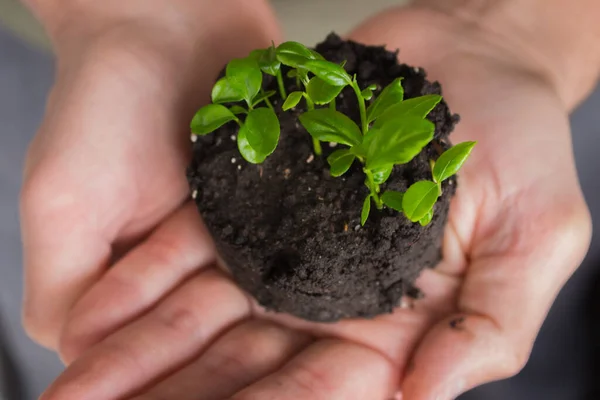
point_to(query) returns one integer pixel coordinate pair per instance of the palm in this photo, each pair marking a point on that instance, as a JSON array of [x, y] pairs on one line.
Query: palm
[[205, 340]]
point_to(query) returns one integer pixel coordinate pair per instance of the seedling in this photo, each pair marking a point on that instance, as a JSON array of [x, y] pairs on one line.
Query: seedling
[[296, 56], [259, 132], [418, 201], [269, 64], [392, 130]]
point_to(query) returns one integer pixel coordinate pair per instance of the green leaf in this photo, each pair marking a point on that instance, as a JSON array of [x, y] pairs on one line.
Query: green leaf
[[246, 150], [360, 150], [397, 142], [392, 95], [238, 110], [262, 130], [367, 94], [268, 62], [257, 53], [393, 200], [292, 73], [418, 107], [322, 92], [328, 125], [292, 100], [366, 209], [419, 199], [382, 174], [209, 118], [451, 161], [224, 92], [427, 218], [330, 72], [303, 75], [318, 56], [245, 77], [340, 161], [262, 96], [294, 54]]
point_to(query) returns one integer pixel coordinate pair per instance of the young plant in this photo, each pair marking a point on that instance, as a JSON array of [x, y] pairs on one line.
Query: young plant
[[269, 64], [418, 201], [259, 132], [392, 130], [295, 55], [399, 131]]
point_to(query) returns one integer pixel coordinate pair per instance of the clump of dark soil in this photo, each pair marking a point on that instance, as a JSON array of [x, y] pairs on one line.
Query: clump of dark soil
[[290, 233]]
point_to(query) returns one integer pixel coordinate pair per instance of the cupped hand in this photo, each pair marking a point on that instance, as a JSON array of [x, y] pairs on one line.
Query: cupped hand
[[165, 323], [107, 167]]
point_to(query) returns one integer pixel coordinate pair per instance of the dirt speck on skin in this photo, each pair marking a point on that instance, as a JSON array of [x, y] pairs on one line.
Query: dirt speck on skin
[[458, 323], [287, 229]]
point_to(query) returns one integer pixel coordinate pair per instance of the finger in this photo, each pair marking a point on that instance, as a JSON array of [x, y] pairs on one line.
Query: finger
[[510, 286], [329, 370], [396, 334], [167, 337], [175, 250], [81, 182], [245, 354], [461, 352]]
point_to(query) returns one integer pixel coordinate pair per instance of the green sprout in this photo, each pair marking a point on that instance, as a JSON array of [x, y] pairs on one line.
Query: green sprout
[[259, 132], [418, 201], [392, 130], [269, 64], [296, 56]]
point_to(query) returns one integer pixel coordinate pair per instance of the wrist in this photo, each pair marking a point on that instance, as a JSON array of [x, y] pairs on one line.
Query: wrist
[[557, 39]]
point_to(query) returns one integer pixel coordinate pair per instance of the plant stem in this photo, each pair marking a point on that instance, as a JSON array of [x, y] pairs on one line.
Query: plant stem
[[281, 85], [316, 144], [267, 101], [269, 104], [374, 188], [332, 105], [361, 106], [317, 147]]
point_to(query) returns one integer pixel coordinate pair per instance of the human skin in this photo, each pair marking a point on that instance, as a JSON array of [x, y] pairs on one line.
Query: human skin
[[105, 186]]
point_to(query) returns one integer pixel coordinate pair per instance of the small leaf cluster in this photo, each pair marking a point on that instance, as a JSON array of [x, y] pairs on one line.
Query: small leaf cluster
[[392, 130], [241, 87], [418, 202], [259, 130]]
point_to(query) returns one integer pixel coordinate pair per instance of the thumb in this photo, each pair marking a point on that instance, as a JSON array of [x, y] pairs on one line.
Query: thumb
[[502, 305], [461, 352]]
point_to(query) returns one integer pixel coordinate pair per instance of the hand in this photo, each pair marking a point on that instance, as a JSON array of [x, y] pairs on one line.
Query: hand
[[108, 164], [157, 325]]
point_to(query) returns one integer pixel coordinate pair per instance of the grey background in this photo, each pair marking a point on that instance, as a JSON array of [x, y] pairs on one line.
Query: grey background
[[562, 363], [25, 77]]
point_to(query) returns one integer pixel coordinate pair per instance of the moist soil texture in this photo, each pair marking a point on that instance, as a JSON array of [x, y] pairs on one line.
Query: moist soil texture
[[290, 233]]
